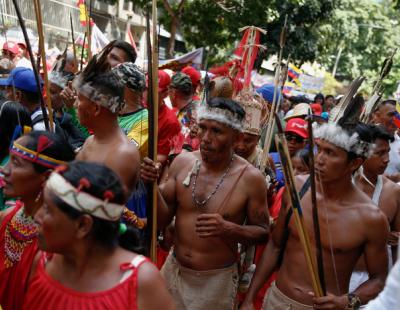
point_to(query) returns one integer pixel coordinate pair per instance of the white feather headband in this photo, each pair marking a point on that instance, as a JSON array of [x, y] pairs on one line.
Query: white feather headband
[[333, 133], [81, 201], [223, 116]]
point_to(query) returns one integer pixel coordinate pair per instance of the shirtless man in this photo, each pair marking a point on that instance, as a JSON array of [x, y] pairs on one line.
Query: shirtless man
[[211, 192], [100, 99], [350, 226], [383, 192]]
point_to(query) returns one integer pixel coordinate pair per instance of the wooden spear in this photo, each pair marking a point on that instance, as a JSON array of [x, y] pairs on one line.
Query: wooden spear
[[152, 69], [317, 232], [88, 30], [281, 145], [277, 88], [39, 22], [32, 59], [73, 42]]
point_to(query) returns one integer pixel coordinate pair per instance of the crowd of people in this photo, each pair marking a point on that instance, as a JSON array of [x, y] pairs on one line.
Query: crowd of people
[[74, 205]]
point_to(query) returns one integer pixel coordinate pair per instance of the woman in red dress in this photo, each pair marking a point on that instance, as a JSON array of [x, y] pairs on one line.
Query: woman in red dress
[[94, 265], [32, 157]]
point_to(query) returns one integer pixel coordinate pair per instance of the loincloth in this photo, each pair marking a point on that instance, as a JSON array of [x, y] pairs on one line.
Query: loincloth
[[276, 300], [199, 290]]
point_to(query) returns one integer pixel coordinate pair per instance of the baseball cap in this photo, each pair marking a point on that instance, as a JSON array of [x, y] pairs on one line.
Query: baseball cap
[[163, 80], [316, 108], [297, 126], [22, 78], [11, 47], [181, 82], [194, 75]]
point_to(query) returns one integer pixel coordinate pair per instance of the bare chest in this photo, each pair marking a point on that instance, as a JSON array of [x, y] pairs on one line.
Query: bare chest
[[223, 194]]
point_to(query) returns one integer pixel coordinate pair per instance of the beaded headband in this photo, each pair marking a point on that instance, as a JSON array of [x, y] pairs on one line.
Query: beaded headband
[[82, 201], [219, 115], [34, 156]]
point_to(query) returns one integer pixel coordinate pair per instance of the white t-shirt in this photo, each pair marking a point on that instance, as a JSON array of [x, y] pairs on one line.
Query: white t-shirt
[[389, 298], [394, 156], [24, 63]]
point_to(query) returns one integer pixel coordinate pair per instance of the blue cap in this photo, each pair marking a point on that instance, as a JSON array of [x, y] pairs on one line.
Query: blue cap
[[267, 91], [23, 79]]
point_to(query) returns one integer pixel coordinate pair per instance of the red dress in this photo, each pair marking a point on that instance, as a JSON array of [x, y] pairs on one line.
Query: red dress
[[46, 293], [13, 279]]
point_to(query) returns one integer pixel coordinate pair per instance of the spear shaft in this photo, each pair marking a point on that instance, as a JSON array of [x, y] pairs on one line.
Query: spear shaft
[[32, 59]]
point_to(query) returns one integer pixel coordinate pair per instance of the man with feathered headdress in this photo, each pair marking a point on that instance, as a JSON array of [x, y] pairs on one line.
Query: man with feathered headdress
[[201, 192], [350, 225]]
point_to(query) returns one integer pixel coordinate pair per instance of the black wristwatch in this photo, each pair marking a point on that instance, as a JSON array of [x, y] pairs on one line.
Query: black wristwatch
[[354, 302]]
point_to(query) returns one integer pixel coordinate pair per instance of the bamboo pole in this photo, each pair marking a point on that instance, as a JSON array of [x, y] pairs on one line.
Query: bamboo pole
[[154, 69], [39, 22], [88, 30], [73, 42], [32, 59], [294, 199], [317, 231]]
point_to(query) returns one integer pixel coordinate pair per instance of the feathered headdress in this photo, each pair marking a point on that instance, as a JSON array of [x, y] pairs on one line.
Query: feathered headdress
[[342, 121], [97, 68]]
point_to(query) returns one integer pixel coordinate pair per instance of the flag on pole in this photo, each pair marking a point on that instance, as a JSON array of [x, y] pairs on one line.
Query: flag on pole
[[83, 13]]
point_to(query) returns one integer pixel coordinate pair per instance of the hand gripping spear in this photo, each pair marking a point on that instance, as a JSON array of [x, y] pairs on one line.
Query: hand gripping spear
[[281, 145], [32, 59]]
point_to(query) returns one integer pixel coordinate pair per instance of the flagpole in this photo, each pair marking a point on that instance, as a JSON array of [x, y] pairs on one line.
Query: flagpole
[[44, 64]]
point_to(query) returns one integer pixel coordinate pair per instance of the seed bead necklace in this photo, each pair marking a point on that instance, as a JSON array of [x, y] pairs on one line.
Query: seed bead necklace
[[20, 232], [203, 203]]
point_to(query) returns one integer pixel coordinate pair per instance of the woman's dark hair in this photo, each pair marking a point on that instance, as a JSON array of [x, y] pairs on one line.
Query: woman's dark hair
[[58, 149], [303, 154], [127, 48], [12, 114], [101, 180]]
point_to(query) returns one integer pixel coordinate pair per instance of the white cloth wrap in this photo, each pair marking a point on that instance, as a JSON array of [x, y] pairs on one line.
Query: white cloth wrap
[[81, 201], [223, 116]]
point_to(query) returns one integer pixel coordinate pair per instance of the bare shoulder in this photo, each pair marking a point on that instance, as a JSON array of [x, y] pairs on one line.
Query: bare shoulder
[[390, 186], [371, 216], [82, 152], [183, 161]]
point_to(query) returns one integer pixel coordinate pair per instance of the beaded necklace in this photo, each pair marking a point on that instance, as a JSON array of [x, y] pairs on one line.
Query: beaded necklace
[[20, 232], [204, 202]]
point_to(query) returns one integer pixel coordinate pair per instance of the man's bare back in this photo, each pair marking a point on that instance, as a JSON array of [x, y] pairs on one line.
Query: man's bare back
[[242, 195], [118, 153], [353, 225]]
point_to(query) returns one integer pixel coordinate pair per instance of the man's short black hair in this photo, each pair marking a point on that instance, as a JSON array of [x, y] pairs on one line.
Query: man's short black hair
[[228, 104], [329, 96], [127, 48], [31, 97], [385, 102], [379, 132]]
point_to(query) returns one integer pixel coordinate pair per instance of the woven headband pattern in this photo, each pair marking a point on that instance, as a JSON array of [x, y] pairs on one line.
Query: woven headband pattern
[[35, 157], [82, 201]]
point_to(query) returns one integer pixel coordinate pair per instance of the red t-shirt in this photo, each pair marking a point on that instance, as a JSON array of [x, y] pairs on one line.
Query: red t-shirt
[[13, 280], [47, 293], [168, 128]]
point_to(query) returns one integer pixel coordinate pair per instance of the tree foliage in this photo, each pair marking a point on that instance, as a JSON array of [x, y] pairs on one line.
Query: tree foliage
[[367, 31]]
